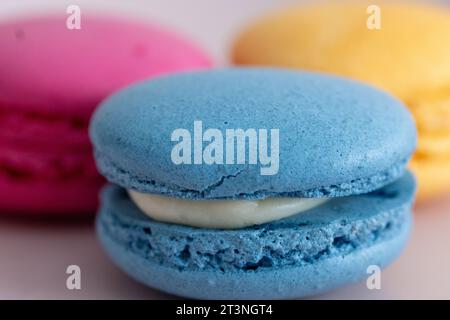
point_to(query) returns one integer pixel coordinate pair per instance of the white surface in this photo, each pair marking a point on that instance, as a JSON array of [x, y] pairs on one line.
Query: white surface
[[34, 254]]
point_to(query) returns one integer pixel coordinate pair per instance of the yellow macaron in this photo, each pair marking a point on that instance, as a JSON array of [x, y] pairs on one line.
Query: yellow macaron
[[408, 55]]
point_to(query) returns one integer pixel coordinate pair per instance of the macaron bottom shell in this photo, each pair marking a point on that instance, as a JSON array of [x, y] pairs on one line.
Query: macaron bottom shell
[[49, 198], [285, 283], [48, 174], [300, 256]]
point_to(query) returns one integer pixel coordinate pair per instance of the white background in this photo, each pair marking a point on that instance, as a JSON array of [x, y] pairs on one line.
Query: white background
[[34, 253]]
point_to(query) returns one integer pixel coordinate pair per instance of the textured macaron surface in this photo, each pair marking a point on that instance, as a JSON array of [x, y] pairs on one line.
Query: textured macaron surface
[[301, 255], [336, 137], [45, 65]]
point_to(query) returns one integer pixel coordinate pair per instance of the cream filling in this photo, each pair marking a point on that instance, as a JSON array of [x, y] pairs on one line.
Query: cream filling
[[220, 214]]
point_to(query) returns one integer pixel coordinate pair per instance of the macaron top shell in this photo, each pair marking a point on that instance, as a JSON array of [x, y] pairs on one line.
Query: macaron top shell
[[408, 52], [48, 67], [336, 136]]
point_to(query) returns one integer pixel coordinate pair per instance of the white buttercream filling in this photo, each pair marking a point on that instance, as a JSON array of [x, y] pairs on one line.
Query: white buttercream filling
[[220, 214]]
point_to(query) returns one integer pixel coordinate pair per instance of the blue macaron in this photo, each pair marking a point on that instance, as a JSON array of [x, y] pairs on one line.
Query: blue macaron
[[324, 137]]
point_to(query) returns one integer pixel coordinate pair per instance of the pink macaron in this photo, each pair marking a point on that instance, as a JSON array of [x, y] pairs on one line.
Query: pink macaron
[[51, 80]]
